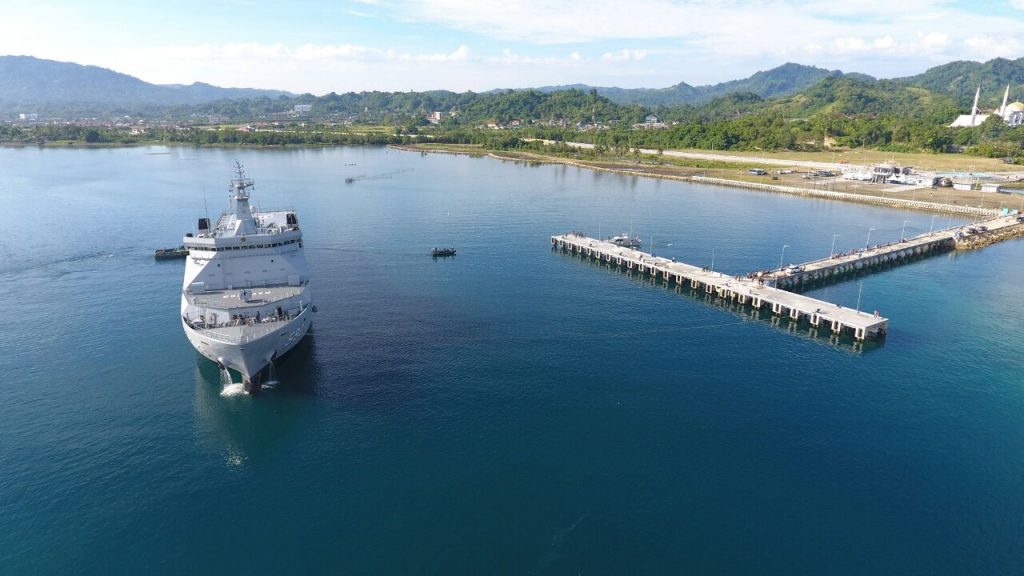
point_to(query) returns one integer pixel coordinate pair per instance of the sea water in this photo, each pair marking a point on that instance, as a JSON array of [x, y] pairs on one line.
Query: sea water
[[510, 410]]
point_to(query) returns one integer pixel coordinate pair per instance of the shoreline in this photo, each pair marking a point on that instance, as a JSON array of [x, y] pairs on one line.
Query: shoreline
[[920, 205], [534, 158]]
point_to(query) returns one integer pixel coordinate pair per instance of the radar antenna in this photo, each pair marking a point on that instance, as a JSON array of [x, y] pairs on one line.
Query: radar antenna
[[240, 185]]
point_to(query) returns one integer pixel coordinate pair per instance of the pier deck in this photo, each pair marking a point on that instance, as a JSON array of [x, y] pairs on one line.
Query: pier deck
[[883, 254], [741, 289]]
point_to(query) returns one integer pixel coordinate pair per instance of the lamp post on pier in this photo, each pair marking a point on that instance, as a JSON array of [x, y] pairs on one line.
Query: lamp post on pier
[[784, 246], [930, 228], [868, 241], [832, 251], [903, 233]]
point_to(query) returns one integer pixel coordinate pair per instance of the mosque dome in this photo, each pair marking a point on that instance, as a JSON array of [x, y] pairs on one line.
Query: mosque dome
[[1015, 107]]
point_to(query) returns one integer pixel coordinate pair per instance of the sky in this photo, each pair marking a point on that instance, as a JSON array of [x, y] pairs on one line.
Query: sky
[[321, 46]]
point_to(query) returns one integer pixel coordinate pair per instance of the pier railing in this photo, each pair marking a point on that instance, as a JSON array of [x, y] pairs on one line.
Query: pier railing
[[899, 252], [743, 290]]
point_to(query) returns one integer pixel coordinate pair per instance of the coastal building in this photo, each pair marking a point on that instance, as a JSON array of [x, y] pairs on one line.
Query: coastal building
[[650, 122], [1012, 114]]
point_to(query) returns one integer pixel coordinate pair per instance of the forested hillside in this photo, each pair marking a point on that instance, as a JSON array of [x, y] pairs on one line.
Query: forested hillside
[[36, 85]]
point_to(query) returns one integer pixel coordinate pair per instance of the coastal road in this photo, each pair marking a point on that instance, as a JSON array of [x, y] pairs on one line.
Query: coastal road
[[1009, 176], [712, 156]]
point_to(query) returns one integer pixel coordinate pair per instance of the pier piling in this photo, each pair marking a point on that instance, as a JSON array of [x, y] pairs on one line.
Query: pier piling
[[736, 291]]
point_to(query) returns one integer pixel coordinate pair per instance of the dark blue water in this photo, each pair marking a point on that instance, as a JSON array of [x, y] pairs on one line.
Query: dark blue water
[[507, 411]]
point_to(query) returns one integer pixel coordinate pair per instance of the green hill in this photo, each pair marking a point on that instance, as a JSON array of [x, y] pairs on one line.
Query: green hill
[[779, 81], [30, 84], [961, 79]]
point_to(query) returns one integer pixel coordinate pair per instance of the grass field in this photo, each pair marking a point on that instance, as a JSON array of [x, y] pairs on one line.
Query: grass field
[[648, 165], [923, 161]]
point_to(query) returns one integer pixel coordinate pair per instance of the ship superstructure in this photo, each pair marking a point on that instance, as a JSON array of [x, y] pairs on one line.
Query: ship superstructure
[[245, 299]]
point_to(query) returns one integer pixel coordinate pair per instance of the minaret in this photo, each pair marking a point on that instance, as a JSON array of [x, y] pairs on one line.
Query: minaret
[[1006, 96], [974, 109]]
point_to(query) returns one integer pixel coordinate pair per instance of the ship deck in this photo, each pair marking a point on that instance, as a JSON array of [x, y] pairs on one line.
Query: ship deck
[[232, 300]]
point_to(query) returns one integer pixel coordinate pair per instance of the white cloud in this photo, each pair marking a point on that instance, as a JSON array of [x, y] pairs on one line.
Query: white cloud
[[934, 41], [624, 55], [555, 21], [254, 51], [771, 30], [847, 44], [311, 52], [992, 46], [923, 43], [423, 44], [883, 43]]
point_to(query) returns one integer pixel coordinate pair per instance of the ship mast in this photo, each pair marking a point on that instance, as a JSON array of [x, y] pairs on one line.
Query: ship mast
[[239, 191]]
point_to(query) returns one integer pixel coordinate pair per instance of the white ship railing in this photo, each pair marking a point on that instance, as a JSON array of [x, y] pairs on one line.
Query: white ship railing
[[250, 329]]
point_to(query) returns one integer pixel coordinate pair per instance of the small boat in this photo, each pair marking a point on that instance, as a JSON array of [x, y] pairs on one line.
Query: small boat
[[436, 252], [171, 253], [625, 240]]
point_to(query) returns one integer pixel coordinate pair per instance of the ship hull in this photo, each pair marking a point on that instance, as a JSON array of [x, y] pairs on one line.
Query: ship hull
[[250, 357]]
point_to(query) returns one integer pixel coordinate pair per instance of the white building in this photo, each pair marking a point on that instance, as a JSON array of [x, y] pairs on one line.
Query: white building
[[1012, 113]]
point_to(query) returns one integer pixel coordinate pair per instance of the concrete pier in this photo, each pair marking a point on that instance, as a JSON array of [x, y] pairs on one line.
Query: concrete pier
[[794, 277], [743, 290]]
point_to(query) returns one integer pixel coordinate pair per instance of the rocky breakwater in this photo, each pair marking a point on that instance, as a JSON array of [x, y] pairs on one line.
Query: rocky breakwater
[[976, 237]]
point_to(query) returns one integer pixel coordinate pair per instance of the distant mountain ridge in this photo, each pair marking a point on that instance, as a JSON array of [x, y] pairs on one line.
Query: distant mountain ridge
[[27, 83], [782, 80], [68, 90], [962, 78]]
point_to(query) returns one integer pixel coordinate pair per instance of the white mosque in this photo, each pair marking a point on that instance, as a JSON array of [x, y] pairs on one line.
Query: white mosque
[[1012, 114]]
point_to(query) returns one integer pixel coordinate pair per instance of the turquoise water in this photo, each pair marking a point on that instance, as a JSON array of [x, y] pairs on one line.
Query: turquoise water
[[510, 410]]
